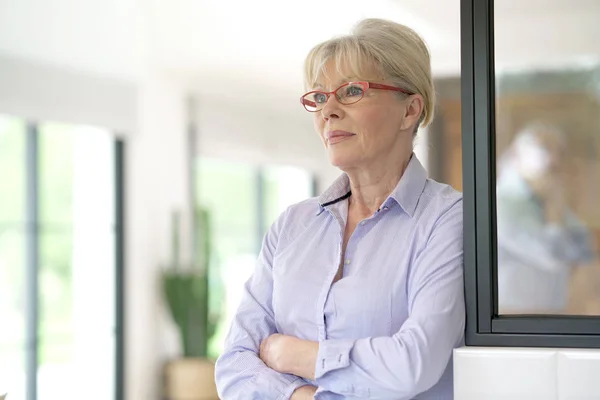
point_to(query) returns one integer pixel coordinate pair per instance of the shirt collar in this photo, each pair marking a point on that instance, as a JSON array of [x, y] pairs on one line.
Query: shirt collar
[[406, 193]]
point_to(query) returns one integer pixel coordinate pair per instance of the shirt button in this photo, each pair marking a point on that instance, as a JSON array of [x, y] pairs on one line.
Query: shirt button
[[385, 208], [362, 222], [348, 261]]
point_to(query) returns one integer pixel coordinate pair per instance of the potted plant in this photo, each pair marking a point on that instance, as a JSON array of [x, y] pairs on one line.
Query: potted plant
[[186, 291]]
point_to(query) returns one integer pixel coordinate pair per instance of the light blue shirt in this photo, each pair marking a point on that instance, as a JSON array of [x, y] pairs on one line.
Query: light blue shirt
[[387, 328]]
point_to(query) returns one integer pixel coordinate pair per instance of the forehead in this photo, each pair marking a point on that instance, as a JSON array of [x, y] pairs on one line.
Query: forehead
[[335, 73]]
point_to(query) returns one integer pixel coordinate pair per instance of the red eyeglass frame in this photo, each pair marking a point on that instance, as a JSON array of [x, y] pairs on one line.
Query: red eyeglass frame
[[364, 84]]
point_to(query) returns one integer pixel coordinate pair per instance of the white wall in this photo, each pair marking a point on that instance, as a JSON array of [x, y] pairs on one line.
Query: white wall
[[105, 38], [227, 128], [526, 373], [38, 92], [156, 183]]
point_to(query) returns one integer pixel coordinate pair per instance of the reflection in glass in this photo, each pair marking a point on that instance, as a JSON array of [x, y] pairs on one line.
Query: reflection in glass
[[548, 163], [540, 238]]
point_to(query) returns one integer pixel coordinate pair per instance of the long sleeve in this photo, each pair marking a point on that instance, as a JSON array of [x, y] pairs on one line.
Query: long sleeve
[[414, 358], [239, 372], [579, 247]]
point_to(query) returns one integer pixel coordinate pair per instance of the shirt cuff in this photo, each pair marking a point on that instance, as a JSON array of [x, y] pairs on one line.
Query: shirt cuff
[[323, 394], [333, 355], [272, 382], [291, 388]]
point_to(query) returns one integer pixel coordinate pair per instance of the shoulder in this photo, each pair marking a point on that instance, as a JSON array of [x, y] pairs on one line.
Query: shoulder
[[289, 223], [437, 200], [438, 217], [514, 205], [296, 217], [305, 209], [514, 196]]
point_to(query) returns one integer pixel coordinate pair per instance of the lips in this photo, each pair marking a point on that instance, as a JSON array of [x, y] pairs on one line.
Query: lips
[[337, 136]]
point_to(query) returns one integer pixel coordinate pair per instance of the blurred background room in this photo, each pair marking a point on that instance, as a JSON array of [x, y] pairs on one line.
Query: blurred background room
[[146, 146]]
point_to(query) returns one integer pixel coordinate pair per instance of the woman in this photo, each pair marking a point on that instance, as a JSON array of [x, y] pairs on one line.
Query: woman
[[358, 293], [540, 239]]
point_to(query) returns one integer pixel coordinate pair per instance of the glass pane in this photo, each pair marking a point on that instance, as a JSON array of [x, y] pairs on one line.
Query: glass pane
[[76, 161], [12, 170], [12, 253], [56, 173], [548, 157], [284, 186], [229, 191], [56, 294], [77, 263], [12, 312], [77, 316]]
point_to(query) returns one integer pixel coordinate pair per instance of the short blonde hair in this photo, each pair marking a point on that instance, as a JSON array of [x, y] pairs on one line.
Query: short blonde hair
[[398, 51]]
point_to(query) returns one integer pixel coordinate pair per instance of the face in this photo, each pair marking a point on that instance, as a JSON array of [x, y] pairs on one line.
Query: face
[[376, 130], [540, 156], [555, 150]]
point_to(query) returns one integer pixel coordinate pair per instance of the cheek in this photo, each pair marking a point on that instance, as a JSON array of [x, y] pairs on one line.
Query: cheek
[[374, 123], [386, 120], [319, 125], [371, 118]]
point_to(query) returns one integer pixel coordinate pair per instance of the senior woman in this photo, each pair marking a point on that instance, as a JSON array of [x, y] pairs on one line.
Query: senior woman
[[358, 293]]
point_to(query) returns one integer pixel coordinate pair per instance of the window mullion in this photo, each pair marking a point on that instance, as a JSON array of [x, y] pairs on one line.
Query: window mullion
[[32, 260]]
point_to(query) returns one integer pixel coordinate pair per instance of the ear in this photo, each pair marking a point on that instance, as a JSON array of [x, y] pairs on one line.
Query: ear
[[413, 111]]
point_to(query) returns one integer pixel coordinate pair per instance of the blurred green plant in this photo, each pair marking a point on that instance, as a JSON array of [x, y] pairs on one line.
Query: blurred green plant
[[186, 289]]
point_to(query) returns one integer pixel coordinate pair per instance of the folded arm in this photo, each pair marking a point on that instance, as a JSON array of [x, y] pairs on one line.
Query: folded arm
[[239, 372]]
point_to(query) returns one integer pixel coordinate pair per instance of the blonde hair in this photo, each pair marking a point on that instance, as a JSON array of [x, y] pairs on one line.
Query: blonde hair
[[399, 52]]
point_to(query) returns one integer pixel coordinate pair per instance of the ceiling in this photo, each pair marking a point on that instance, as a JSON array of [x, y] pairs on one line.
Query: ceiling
[[245, 49]]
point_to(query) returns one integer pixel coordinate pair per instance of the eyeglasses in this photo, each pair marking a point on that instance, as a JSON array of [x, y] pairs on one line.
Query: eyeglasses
[[348, 93]]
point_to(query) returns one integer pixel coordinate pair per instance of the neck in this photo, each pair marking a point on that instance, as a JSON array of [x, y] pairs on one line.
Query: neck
[[372, 186]]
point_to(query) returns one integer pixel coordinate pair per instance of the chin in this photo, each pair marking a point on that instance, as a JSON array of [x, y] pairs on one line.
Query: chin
[[342, 161]]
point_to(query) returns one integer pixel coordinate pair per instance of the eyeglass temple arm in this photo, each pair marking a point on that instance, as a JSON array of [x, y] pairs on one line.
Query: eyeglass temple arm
[[308, 102], [386, 87]]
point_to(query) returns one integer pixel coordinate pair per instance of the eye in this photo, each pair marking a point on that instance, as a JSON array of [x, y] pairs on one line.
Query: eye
[[353, 90], [320, 98]]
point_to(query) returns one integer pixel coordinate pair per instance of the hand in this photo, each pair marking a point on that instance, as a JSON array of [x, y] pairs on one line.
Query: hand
[[545, 185], [306, 392], [273, 351], [290, 355]]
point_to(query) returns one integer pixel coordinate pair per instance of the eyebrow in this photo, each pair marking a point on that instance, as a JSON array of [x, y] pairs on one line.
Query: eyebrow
[[339, 83]]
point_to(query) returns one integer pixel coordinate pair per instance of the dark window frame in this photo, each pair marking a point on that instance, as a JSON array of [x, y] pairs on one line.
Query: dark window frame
[[484, 326], [120, 159]]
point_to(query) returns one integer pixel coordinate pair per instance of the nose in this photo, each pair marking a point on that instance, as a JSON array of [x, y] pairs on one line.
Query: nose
[[332, 108]]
